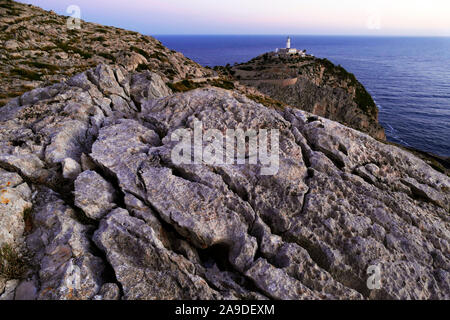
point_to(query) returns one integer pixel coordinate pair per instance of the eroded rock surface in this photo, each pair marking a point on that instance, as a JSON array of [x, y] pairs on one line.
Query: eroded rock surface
[[128, 222]]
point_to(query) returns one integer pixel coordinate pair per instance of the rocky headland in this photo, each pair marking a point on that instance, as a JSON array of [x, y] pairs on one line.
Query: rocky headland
[[314, 85], [92, 206]]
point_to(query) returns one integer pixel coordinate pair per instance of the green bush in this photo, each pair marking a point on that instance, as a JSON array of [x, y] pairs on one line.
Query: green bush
[[66, 47], [107, 55], [228, 85], [142, 67], [159, 56], [183, 86], [27, 74], [100, 38], [41, 65], [141, 52], [12, 264]]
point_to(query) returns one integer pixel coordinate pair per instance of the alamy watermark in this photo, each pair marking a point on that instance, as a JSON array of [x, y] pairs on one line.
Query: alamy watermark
[[373, 21], [375, 274], [374, 279], [215, 147], [74, 21]]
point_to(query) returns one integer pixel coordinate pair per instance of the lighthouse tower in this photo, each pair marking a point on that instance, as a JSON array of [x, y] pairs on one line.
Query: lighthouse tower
[[288, 50]]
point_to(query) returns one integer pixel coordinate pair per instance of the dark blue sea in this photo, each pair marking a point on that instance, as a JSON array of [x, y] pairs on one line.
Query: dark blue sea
[[409, 78]]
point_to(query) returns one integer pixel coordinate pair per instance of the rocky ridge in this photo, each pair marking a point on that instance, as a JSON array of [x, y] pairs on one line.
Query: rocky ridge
[[38, 49], [91, 194]]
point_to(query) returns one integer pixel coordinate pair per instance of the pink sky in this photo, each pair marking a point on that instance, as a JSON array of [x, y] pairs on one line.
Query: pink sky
[[345, 17]]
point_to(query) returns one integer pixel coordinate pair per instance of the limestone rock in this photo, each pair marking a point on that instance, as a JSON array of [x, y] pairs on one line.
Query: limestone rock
[[26, 290], [339, 204], [13, 205], [71, 168], [62, 251], [9, 291], [277, 284], [145, 269], [94, 195]]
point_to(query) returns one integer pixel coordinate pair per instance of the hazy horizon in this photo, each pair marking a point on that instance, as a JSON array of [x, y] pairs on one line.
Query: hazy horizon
[[402, 18], [300, 35]]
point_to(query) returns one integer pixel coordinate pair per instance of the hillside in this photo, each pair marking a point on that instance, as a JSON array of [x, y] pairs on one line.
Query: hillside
[[38, 50]]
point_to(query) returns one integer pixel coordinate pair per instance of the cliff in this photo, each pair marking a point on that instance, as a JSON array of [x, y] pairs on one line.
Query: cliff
[[314, 85], [93, 205]]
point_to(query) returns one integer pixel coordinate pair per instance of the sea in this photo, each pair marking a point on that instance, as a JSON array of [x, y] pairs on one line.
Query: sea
[[408, 77]]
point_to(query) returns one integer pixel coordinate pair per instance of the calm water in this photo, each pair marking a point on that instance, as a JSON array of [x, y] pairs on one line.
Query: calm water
[[409, 78]]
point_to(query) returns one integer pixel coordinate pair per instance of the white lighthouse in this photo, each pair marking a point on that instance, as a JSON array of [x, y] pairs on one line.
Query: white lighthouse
[[289, 51]]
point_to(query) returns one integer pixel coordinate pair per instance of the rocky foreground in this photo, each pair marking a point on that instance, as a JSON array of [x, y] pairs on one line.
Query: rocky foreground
[[93, 207]]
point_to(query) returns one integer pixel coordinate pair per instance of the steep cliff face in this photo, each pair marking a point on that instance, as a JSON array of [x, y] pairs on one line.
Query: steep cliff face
[[314, 85], [38, 49], [110, 215]]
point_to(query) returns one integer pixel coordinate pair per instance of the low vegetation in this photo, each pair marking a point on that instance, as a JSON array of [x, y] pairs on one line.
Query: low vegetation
[[183, 86], [107, 56], [224, 84], [267, 101], [67, 47], [142, 52], [26, 74], [188, 85], [41, 65], [12, 263]]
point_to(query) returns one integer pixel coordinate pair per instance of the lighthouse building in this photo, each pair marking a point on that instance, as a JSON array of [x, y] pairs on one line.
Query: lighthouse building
[[288, 50]]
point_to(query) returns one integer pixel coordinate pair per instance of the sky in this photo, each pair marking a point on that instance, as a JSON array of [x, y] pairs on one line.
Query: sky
[[295, 17]]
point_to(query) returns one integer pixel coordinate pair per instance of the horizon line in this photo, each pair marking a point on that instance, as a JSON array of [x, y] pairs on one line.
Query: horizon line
[[302, 35]]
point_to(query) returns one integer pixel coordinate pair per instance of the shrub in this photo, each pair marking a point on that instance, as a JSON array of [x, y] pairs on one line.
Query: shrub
[[246, 68], [142, 67], [364, 100], [41, 65], [12, 264], [100, 38], [228, 85], [141, 52], [102, 30], [107, 55], [65, 46], [183, 86], [27, 74], [159, 56], [267, 101]]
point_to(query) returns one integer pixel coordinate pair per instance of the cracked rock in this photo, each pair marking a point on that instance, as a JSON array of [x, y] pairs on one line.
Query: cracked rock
[[340, 203], [94, 195]]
